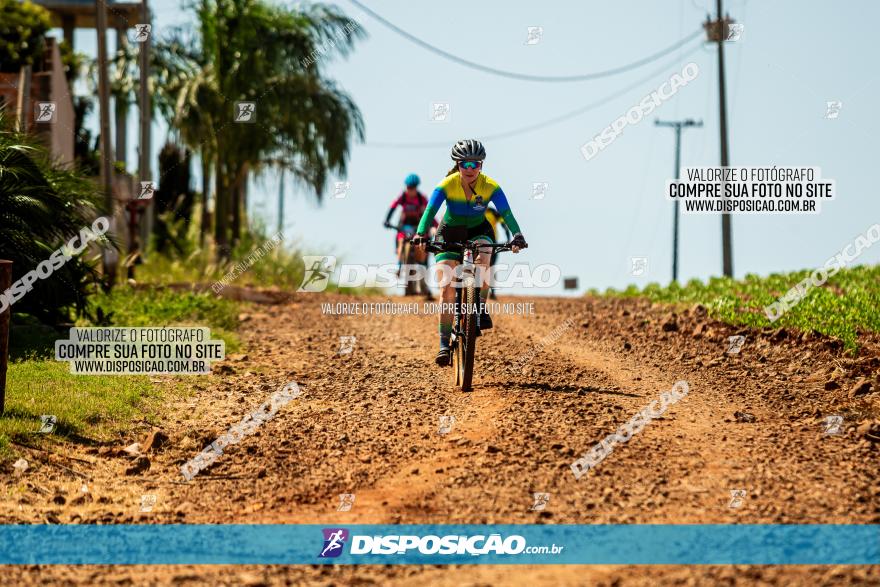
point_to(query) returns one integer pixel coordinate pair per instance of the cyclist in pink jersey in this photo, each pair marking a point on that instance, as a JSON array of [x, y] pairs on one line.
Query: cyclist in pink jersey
[[412, 205]]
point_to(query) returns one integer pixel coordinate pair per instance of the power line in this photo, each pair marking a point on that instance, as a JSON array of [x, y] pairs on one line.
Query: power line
[[537, 125], [526, 76]]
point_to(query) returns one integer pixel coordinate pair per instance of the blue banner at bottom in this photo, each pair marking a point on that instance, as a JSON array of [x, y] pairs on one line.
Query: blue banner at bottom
[[433, 544]]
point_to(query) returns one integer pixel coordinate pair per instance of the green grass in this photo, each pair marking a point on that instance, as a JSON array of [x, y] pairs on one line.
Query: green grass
[[127, 306], [264, 261], [256, 261], [88, 408], [277, 267], [847, 304], [93, 408]]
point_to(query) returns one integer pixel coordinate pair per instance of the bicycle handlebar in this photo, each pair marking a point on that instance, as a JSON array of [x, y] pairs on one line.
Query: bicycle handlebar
[[443, 246]]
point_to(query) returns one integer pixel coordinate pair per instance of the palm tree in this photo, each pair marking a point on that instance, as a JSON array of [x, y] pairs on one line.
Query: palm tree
[[43, 205], [253, 51], [186, 96]]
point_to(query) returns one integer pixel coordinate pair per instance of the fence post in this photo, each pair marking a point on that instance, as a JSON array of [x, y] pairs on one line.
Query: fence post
[[5, 316]]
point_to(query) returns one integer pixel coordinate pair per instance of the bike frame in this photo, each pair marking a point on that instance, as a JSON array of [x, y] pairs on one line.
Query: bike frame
[[465, 323]]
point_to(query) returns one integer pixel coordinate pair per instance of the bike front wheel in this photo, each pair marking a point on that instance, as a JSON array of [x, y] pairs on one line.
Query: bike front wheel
[[468, 342]]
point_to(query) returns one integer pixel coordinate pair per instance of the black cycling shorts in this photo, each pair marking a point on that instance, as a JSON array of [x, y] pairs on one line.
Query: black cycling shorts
[[459, 234]]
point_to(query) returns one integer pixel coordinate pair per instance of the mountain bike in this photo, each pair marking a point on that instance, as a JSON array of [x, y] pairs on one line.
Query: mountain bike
[[407, 258], [466, 322]]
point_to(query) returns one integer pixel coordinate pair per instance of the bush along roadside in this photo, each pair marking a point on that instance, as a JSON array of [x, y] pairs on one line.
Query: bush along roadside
[[844, 308]]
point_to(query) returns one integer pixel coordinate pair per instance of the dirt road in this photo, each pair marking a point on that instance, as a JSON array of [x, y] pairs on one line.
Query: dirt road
[[368, 424]]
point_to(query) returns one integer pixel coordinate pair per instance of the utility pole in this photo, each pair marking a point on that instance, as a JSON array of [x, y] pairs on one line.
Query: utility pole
[[106, 140], [5, 318], [677, 125], [281, 202], [145, 117], [718, 31]]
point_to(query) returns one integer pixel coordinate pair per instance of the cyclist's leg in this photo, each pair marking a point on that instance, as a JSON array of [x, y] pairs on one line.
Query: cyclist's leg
[[423, 282], [492, 259], [421, 258], [446, 281], [399, 239], [445, 263], [483, 233], [483, 260]]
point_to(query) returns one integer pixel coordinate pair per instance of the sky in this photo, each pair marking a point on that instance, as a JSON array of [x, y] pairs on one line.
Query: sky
[[792, 58]]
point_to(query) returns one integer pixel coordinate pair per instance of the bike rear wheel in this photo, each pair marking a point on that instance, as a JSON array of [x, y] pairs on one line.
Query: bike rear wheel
[[408, 255]]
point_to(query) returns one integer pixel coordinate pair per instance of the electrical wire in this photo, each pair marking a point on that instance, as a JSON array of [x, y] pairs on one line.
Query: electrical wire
[[525, 76], [538, 125]]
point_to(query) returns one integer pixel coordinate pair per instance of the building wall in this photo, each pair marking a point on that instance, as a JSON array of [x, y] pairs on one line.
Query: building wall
[[48, 85], [63, 130]]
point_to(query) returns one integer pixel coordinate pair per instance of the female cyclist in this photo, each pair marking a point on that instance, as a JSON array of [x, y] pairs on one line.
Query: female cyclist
[[412, 205], [467, 193]]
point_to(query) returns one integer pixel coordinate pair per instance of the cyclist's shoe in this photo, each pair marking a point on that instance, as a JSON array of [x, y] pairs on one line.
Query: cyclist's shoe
[[443, 357], [485, 321]]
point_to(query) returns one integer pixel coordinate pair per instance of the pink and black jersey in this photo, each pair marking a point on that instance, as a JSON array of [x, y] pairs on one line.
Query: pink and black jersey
[[411, 209]]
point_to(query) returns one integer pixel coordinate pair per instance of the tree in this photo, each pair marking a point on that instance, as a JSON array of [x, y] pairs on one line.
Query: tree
[[23, 26], [42, 206], [173, 201], [253, 51]]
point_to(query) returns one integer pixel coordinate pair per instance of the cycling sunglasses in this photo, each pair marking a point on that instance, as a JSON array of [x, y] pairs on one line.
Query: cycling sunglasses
[[470, 164]]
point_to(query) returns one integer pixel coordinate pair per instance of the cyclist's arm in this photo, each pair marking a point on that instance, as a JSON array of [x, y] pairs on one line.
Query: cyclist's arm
[[437, 199], [506, 228], [500, 201], [397, 202]]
